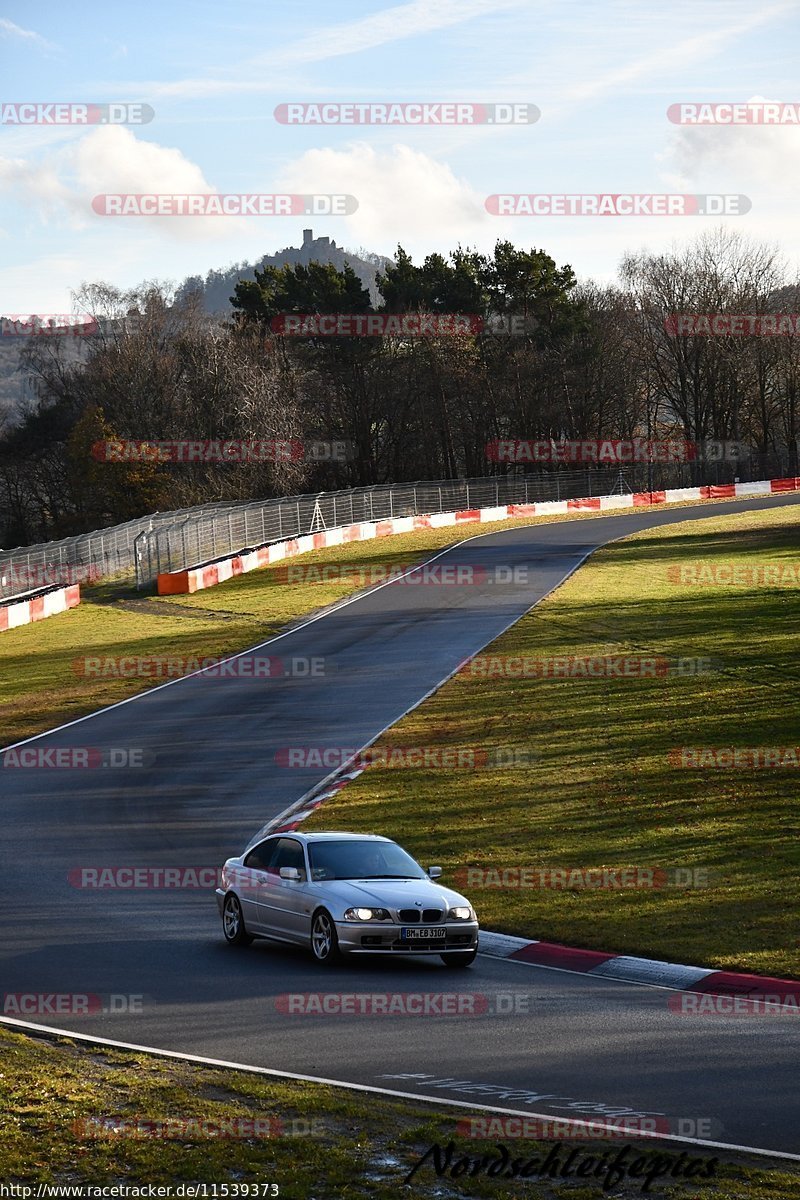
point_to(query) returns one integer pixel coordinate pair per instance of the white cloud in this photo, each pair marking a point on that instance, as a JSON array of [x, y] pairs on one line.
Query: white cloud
[[40, 183], [111, 159], [9, 29], [402, 194]]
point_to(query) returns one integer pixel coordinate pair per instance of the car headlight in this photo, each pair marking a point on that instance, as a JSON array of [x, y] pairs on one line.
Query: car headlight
[[366, 914], [461, 913]]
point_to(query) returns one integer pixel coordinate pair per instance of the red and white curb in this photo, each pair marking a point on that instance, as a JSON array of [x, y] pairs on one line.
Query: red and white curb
[[194, 579], [296, 813], [638, 970], [47, 604]]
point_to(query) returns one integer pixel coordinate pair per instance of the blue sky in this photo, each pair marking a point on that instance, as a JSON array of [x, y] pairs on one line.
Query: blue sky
[[602, 74]]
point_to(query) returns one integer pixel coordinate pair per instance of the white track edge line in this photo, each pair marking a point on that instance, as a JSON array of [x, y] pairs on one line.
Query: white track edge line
[[365, 1087]]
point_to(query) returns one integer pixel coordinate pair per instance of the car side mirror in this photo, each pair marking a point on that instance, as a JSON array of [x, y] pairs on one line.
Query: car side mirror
[[434, 872], [290, 873]]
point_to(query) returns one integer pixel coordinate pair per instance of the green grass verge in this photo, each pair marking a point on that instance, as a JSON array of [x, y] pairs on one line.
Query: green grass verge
[[601, 791], [56, 1091]]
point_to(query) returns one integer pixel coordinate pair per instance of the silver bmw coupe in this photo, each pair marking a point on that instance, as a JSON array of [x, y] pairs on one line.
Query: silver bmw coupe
[[344, 893]]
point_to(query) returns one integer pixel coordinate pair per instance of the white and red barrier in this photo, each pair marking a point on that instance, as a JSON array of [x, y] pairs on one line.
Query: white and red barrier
[[193, 579], [36, 608]]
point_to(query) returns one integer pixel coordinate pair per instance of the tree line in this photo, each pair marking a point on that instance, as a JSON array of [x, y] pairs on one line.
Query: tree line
[[584, 361]]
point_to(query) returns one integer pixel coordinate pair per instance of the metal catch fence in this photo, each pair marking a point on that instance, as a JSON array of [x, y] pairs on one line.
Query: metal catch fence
[[141, 549], [198, 539]]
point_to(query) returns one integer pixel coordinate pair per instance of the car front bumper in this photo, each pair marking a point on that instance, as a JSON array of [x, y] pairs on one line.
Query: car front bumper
[[384, 937]]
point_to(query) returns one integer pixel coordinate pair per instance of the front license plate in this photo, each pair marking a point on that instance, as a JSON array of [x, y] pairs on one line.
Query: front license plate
[[423, 933]]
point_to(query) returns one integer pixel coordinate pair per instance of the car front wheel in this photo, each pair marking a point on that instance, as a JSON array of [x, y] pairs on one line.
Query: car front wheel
[[233, 922], [459, 958], [324, 942]]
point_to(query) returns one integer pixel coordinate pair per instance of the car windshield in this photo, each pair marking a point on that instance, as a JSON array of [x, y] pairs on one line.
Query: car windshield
[[361, 860]]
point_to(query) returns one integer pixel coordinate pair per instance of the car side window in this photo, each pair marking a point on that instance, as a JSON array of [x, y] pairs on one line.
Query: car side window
[[289, 854], [259, 857]]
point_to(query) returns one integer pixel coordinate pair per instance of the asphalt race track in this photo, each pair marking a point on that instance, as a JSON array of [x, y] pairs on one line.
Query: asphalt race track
[[575, 1046]]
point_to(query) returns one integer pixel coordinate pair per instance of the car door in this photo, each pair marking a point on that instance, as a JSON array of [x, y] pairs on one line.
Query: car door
[[252, 879], [283, 902]]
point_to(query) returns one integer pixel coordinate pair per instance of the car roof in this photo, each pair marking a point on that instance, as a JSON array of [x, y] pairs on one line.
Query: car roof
[[329, 835]]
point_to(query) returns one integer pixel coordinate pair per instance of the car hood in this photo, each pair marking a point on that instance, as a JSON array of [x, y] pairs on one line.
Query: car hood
[[391, 893]]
